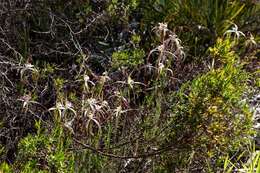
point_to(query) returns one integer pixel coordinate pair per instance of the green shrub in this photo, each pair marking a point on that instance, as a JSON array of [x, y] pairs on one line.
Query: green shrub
[[130, 59], [45, 152], [210, 112], [5, 168]]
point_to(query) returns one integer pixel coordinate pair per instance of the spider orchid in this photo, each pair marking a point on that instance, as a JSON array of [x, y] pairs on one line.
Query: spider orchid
[[130, 82], [118, 111], [92, 119], [171, 45], [176, 40], [86, 82], [63, 108], [162, 50], [122, 99], [157, 49], [235, 30], [68, 125], [27, 67], [161, 68], [92, 104], [93, 107], [179, 49], [101, 82], [162, 28], [148, 68], [26, 99], [251, 41], [104, 78]]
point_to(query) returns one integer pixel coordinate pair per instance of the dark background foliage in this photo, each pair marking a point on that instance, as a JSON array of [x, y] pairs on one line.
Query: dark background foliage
[[100, 85]]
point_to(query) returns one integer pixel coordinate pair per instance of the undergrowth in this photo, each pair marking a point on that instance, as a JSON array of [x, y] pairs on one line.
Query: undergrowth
[[106, 86]]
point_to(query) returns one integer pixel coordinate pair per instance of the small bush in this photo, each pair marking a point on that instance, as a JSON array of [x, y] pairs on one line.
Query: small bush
[[210, 111]]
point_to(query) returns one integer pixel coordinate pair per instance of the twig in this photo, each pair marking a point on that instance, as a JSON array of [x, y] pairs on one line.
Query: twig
[[86, 146]]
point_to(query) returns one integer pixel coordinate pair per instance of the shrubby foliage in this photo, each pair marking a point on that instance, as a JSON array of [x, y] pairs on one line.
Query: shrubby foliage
[[127, 86]]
